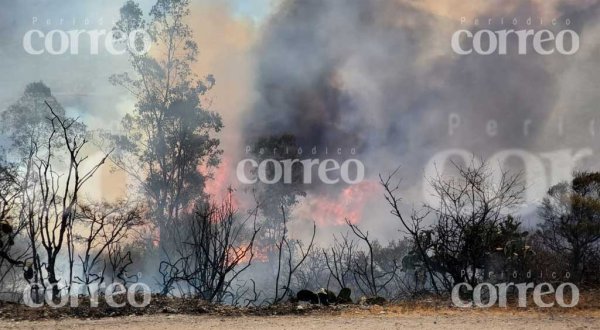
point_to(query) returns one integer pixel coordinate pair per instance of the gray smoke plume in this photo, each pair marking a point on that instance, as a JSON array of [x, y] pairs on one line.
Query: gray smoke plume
[[381, 76]]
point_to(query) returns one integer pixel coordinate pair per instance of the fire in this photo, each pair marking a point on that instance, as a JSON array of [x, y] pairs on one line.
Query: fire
[[217, 187], [244, 253], [326, 209], [349, 204]]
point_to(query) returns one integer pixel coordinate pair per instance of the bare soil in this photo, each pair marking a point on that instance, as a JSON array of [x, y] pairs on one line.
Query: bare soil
[[424, 313], [380, 319]]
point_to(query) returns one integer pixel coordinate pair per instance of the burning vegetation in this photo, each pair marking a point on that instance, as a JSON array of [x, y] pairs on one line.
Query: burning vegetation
[[202, 247]]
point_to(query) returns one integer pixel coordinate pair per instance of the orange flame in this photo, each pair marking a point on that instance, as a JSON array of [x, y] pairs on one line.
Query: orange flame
[[242, 254], [217, 187], [349, 204]]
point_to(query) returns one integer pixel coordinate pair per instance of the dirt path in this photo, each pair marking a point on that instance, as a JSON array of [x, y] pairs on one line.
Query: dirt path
[[480, 321]]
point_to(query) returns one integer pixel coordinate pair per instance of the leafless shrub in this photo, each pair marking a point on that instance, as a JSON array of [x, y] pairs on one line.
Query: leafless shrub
[[370, 277], [50, 196], [339, 259], [313, 274], [470, 221], [290, 256], [215, 247], [10, 226], [104, 227]]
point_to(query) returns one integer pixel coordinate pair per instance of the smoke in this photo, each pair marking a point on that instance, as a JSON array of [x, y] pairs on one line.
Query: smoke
[[380, 76], [225, 43], [377, 76]]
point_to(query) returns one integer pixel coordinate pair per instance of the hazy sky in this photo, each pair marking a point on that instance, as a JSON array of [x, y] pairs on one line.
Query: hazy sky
[[80, 81]]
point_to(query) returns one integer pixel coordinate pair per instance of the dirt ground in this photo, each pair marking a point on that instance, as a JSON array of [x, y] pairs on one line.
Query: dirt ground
[[425, 313], [351, 320]]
